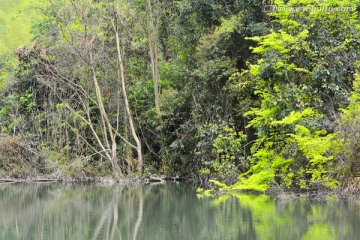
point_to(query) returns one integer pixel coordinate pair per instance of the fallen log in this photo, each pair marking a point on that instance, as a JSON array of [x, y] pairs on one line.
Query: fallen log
[[44, 180], [161, 179], [156, 179], [10, 181]]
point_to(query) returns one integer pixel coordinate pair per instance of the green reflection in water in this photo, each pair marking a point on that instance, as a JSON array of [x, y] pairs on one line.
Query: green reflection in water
[[171, 211]]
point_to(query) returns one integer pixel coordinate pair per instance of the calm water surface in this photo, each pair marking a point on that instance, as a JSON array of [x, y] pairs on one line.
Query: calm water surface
[[170, 212]]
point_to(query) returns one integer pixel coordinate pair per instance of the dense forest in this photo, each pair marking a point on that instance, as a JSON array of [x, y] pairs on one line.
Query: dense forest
[[247, 94]]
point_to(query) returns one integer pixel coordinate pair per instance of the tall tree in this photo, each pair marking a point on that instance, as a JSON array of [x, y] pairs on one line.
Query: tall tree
[[152, 30], [121, 73]]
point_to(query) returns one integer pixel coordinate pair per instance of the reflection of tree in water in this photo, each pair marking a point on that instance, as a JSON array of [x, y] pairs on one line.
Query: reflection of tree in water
[[297, 219], [70, 212], [57, 211], [109, 223]]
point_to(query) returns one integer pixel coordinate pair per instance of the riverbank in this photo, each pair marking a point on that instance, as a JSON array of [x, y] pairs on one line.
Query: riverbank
[[350, 190], [97, 180], [345, 191], [22, 163]]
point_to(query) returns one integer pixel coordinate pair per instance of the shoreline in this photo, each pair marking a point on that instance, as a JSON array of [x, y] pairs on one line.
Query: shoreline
[[342, 192], [101, 180]]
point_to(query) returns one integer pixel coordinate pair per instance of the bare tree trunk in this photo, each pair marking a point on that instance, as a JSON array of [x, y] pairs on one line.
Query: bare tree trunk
[[128, 151], [107, 127], [121, 73], [152, 30]]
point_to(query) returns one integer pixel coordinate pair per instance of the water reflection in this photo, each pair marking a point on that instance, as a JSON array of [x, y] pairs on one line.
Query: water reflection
[[172, 211]]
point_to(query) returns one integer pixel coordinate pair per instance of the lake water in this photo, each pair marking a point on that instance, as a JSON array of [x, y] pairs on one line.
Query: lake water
[[169, 212]]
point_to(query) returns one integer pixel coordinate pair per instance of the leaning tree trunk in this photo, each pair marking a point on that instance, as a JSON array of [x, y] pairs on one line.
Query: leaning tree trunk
[[121, 73]]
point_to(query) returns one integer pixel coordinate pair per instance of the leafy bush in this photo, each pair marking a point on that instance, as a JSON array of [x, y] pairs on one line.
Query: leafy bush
[[349, 131], [220, 150], [298, 157]]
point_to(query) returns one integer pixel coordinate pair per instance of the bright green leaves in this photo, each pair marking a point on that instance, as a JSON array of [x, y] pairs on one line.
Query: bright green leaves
[[259, 182], [16, 19], [313, 145], [302, 81], [278, 41], [25, 101], [291, 152], [278, 49], [295, 117], [319, 149]]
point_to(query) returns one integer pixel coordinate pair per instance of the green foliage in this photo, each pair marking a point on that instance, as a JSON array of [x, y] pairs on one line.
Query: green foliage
[[16, 20], [292, 146], [226, 147], [349, 131], [319, 150], [295, 117], [244, 95], [290, 153], [315, 147]]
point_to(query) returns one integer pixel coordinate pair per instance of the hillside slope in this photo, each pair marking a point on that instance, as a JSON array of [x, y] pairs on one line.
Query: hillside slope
[[16, 18]]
